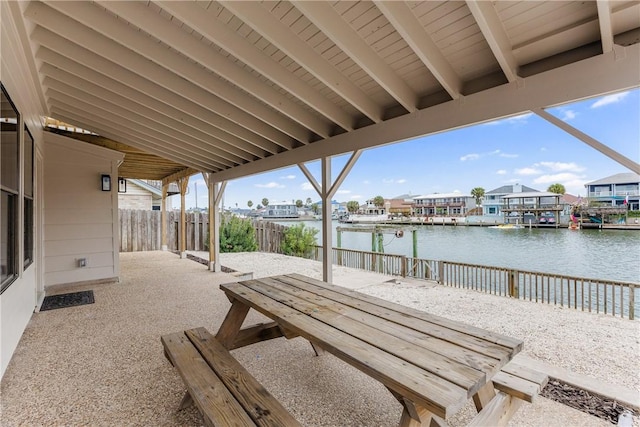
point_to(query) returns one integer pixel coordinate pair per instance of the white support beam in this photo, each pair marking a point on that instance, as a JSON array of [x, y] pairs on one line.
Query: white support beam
[[327, 232], [140, 15], [606, 29], [594, 76], [343, 173], [491, 26], [66, 93], [591, 142], [311, 178], [128, 85], [60, 98], [216, 190], [95, 123], [324, 16], [269, 27], [408, 26], [63, 81], [252, 129]]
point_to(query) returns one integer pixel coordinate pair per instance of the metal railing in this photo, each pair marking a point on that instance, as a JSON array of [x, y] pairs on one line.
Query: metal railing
[[593, 295]]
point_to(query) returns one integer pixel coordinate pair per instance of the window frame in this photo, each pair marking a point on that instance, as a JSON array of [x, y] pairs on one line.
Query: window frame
[[28, 201]]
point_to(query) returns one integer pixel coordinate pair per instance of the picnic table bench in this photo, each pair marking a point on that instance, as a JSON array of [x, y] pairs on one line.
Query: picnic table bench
[[430, 364]]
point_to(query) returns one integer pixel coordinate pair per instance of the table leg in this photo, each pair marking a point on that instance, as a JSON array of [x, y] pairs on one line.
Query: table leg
[[484, 396], [232, 323], [414, 415]]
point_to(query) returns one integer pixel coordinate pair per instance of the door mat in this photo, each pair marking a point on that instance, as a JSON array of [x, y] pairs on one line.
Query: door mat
[[67, 300]]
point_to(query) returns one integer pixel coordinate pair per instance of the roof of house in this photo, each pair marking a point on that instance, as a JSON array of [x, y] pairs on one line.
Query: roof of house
[[441, 196], [530, 194], [508, 189], [619, 178]]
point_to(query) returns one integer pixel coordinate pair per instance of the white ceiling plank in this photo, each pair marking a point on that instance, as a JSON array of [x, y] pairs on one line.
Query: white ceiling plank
[[133, 105], [70, 29], [325, 17], [139, 15], [406, 23], [590, 77], [606, 30], [134, 89], [251, 55], [288, 42], [487, 19], [94, 123], [123, 107], [60, 98]]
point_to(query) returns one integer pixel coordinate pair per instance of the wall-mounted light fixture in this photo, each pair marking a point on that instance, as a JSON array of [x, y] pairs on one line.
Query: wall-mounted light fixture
[[106, 182], [122, 185]]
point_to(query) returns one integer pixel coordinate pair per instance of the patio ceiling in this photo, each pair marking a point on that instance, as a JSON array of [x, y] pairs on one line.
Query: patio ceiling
[[237, 88]]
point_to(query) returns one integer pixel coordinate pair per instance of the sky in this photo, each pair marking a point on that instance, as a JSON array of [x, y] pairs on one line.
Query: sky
[[525, 150]]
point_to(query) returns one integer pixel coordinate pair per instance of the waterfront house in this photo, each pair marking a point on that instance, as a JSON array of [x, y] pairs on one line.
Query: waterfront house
[[281, 210], [445, 204], [616, 190], [232, 89], [492, 202]]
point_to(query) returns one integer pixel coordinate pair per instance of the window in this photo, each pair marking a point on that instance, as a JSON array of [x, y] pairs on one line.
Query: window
[[9, 188], [28, 198]]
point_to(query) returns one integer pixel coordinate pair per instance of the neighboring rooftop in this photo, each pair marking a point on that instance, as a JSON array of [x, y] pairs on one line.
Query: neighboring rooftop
[[619, 178]]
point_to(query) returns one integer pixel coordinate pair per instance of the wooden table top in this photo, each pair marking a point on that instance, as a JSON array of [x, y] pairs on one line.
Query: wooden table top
[[435, 362]]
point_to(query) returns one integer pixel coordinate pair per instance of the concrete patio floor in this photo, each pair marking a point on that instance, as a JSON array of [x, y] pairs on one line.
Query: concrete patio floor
[[103, 365]]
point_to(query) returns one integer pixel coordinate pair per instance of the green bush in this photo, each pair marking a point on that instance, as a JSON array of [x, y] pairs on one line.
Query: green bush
[[237, 235], [299, 241]]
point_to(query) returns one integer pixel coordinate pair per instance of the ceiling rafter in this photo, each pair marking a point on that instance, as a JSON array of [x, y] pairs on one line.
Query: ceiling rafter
[[251, 129], [606, 29], [141, 108], [122, 107], [325, 17], [239, 47], [131, 86], [71, 114], [140, 15], [489, 22], [406, 23], [197, 154], [288, 42]]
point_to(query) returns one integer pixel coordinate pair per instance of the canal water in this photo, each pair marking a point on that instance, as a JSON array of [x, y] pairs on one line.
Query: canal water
[[595, 254]]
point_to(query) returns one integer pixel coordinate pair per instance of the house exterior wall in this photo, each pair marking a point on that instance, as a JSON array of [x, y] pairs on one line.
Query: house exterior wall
[[18, 301], [80, 220], [135, 198]]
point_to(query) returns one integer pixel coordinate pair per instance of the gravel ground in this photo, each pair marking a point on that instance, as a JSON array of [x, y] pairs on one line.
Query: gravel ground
[[102, 364]]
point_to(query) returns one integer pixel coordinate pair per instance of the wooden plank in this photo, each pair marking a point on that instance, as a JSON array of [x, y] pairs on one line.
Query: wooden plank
[[210, 395], [232, 323], [345, 319], [423, 322], [522, 371], [437, 395], [516, 386], [498, 412], [257, 333], [261, 406], [513, 344]]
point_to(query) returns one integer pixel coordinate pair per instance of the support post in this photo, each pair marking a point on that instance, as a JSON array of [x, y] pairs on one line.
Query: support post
[[163, 217], [183, 183], [216, 190], [327, 237]]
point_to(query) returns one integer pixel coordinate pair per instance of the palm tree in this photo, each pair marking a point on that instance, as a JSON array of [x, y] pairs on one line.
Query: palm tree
[[378, 201], [249, 203], [478, 194], [298, 203], [265, 202], [353, 206], [557, 188], [308, 201]]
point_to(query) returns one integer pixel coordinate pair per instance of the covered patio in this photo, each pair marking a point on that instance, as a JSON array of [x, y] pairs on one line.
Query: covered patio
[[103, 364]]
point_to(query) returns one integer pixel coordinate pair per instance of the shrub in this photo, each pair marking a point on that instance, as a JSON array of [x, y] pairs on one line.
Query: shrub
[[299, 241], [237, 235]]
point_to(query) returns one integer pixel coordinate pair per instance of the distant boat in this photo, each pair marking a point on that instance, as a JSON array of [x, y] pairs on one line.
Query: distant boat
[[507, 226], [364, 218]]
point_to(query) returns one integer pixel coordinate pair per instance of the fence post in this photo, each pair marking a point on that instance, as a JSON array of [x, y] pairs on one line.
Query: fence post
[[514, 292], [441, 272], [632, 293], [403, 268]]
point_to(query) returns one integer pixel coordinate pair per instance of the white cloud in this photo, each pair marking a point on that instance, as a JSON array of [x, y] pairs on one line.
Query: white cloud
[[501, 172], [401, 181], [343, 192], [306, 186], [394, 181], [355, 197], [472, 156], [366, 181], [560, 166], [270, 185], [288, 177], [609, 99], [527, 171], [509, 156], [568, 115]]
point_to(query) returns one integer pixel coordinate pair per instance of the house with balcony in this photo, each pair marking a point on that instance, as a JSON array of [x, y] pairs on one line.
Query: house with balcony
[[492, 202], [445, 204], [616, 190]]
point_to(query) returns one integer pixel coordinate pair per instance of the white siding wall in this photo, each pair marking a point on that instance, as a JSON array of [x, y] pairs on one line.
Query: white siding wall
[[135, 198], [18, 300], [79, 216]]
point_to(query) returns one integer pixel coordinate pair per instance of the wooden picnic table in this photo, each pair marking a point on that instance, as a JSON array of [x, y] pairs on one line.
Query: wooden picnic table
[[432, 365]]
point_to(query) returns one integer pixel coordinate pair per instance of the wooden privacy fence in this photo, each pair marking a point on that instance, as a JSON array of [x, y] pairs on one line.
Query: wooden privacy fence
[[594, 295], [269, 235]]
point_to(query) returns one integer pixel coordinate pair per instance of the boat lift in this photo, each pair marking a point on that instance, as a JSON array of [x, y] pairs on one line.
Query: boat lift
[[377, 236]]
